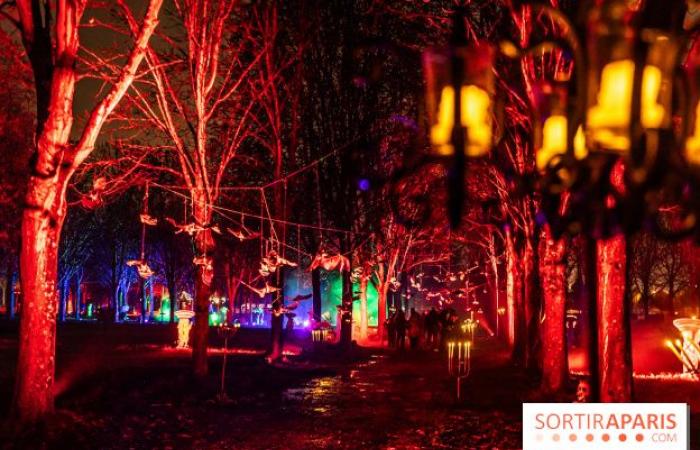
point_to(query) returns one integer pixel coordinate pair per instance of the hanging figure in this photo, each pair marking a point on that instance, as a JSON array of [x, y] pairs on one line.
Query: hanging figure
[[146, 219], [191, 228], [267, 289], [142, 267], [271, 262], [330, 262], [243, 234], [294, 304], [207, 268], [93, 199]]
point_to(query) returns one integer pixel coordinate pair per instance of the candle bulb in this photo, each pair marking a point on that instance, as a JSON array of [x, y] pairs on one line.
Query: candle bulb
[[553, 140], [652, 114], [692, 144], [675, 351], [475, 116]]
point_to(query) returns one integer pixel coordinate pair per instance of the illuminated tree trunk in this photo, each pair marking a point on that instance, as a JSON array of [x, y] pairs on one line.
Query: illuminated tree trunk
[[41, 230], [382, 294], [170, 281], [511, 288], [555, 369], [65, 292], [151, 301], [142, 292], [50, 37], [532, 304], [10, 291], [204, 245], [364, 281], [517, 274], [346, 313], [13, 297], [615, 365], [277, 319], [316, 294], [79, 294], [495, 288], [385, 272]]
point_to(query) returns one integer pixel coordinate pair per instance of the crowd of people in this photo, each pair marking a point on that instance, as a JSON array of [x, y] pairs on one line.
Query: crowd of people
[[427, 330]]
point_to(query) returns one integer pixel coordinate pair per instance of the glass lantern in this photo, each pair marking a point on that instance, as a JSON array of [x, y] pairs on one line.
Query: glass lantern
[[550, 124], [611, 77], [467, 69], [692, 120]]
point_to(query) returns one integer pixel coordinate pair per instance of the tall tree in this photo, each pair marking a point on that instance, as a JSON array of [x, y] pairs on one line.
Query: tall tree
[[50, 35], [203, 101], [645, 255], [673, 272]]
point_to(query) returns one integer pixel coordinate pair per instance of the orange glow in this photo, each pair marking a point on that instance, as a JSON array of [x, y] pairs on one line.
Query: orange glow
[[652, 114], [580, 149], [553, 140], [692, 144], [612, 109], [612, 112], [475, 106]]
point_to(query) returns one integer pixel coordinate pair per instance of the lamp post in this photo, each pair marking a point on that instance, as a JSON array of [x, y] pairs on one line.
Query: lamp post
[[459, 88]]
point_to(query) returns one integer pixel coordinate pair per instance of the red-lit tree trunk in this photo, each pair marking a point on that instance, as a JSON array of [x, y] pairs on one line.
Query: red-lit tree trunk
[[615, 365], [316, 293], [532, 303], [204, 247], [517, 308], [41, 229], [346, 311], [512, 289], [382, 294], [494, 282], [53, 54], [364, 282], [277, 317], [555, 368], [385, 271]]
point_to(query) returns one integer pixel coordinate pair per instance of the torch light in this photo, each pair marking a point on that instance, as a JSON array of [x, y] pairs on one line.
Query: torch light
[[459, 362], [677, 349], [226, 331]]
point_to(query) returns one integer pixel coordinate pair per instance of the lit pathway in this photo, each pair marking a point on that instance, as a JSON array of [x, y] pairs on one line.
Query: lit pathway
[[392, 401]]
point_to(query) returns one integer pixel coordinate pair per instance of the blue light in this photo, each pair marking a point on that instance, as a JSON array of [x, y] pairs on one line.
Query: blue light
[[363, 184]]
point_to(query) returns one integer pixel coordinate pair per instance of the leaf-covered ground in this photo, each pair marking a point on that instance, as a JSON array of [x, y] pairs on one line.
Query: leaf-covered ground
[[132, 392]]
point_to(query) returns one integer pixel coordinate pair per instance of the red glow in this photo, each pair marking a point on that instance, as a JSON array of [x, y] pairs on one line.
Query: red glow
[[615, 355]]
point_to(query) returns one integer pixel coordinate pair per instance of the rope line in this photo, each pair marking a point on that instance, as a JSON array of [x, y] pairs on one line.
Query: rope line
[[254, 216]]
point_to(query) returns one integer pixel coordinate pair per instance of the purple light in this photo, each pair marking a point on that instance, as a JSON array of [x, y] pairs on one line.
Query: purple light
[[363, 184]]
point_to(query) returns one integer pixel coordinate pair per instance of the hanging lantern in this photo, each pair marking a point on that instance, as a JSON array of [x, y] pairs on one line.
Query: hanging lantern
[[468, 71], [624, 105], [610, 79], [459, 88], [550, 124], [692, 122]]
